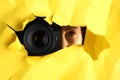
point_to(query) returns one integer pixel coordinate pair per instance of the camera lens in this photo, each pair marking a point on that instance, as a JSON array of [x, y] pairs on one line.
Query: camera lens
[[40, 39]]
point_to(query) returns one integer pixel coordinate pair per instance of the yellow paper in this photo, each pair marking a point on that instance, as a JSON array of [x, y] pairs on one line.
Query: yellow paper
[[97, 59]]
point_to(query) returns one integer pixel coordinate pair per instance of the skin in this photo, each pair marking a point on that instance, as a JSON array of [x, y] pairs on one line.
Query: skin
[[71, 35]]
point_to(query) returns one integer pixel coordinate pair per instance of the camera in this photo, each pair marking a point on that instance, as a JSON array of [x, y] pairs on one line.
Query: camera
[[40, 38]]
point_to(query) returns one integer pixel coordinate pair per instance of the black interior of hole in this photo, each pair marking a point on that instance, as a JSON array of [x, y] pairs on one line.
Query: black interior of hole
[[83, 30]]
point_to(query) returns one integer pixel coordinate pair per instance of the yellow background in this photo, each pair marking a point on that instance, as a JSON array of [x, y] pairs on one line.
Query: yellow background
[[98, 59]]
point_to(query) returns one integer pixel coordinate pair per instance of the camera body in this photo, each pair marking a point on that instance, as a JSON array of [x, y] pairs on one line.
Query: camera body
[[40, 38]]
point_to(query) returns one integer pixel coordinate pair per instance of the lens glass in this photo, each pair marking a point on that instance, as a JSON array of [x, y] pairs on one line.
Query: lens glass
[[40, 39]]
